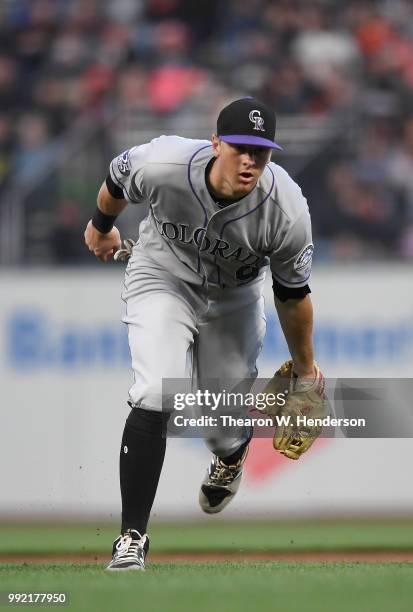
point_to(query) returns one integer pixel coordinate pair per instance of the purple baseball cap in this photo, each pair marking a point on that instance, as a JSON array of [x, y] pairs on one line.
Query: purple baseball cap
[[247, 121]]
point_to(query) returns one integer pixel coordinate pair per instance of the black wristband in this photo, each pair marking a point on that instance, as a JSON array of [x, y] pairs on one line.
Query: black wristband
[[102, 222]]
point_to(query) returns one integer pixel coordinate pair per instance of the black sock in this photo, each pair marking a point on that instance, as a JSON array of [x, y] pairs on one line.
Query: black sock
[[141, 459]]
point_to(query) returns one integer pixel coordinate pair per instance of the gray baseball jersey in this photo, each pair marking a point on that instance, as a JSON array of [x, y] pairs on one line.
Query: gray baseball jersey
[[186, 232]]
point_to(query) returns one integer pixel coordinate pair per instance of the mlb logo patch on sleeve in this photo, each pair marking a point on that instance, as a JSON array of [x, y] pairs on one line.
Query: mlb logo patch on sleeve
[[124, 164], [304, 257]]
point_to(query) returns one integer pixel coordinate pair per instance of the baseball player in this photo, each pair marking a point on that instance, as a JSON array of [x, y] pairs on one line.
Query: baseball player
[[220, 215]]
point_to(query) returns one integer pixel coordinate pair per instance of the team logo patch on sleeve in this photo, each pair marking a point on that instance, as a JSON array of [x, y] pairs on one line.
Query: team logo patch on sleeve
[[124, 164], [304, 258]]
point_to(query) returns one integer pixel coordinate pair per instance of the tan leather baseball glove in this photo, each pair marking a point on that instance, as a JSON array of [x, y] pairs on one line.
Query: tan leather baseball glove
[[304, 400]]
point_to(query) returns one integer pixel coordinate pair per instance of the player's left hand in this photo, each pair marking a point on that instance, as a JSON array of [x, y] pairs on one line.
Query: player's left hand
[[303, 399], [104, 246]]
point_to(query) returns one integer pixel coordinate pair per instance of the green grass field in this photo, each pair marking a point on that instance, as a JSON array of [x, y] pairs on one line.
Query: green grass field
[[224, 587], [213, 535], [216, 586]]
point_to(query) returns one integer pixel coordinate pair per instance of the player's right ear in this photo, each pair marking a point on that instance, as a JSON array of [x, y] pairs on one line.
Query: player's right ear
[[216, 145]]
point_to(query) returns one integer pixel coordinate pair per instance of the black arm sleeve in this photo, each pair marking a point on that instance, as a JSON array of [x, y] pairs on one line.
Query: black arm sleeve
[[289, 293], [114, 190]]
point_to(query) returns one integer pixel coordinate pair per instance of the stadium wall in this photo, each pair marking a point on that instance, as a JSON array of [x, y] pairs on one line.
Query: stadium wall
[[64, 375]]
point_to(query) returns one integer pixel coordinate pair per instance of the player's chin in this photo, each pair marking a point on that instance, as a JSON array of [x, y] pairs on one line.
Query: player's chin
[[246, 185]]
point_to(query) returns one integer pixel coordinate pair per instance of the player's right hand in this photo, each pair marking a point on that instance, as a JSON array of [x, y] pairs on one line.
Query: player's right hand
[[104, 246]]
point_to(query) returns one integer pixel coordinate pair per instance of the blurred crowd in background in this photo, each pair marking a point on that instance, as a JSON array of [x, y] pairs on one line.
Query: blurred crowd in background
[[80, 80]]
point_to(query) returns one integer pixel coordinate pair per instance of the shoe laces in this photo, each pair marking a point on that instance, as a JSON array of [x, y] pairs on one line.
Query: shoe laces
[[221, 473], [126, 541]]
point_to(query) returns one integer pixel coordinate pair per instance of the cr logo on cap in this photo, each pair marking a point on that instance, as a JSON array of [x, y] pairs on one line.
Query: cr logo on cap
[[257, 120]]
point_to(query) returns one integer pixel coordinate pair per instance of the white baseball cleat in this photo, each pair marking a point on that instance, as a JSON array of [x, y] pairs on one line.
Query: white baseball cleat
[[129, 551], [220, 484]]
